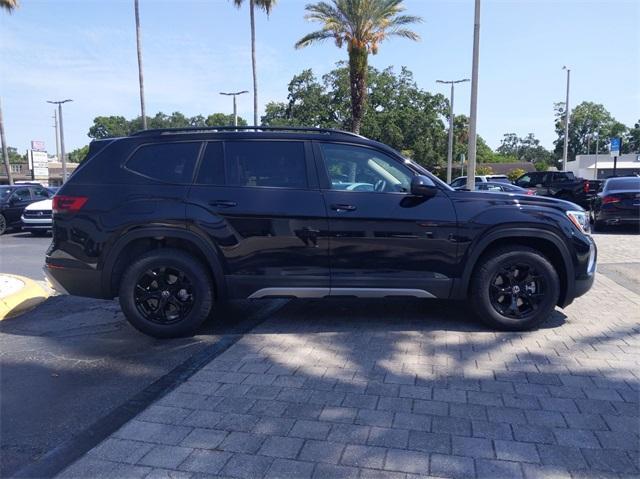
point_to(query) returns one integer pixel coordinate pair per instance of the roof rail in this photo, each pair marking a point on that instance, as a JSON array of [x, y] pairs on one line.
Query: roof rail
[[197, 129]]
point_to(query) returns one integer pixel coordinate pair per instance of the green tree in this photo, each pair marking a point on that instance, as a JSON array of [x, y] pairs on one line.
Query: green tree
[[267, 6], [14, 156], [109, 127], [585, 121], [78, 155], [398, 112], [361, 25], [632, 140], [222, 119]]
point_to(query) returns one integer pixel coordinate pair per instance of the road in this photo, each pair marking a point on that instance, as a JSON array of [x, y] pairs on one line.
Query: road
[[23, 254]]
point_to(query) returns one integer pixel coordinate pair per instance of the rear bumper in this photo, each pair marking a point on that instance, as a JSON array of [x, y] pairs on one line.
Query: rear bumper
[[75, 281]]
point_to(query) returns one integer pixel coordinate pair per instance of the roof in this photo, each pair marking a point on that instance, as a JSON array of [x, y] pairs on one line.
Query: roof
[[504, 168]]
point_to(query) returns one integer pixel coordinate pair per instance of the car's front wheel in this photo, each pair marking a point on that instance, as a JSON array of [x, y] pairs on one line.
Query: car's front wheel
[[514, 288], [166, 293]]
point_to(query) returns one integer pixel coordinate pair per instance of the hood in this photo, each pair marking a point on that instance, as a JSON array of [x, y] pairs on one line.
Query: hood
[[516, 199], [41, 205]]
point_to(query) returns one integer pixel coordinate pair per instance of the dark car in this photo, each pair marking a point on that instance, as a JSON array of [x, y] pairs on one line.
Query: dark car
[[559, 184], [496, 187], [618, 203], [175, 221], [14, 199]]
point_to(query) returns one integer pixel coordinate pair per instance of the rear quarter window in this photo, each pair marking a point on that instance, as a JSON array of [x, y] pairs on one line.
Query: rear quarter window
[[166, 162]]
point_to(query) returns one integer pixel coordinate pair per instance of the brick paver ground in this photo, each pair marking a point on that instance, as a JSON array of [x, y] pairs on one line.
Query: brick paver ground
[[399, 389]]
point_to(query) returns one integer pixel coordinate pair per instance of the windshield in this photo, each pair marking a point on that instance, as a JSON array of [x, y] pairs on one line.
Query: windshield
[[5, 191]]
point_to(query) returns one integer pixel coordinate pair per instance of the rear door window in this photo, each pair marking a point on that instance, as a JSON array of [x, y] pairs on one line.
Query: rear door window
[[40, 193], [275, 164], [166, 162]]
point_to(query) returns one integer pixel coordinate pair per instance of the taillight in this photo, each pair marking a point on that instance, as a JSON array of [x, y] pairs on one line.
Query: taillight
[[531, 192], [611, 199], [68, 204], [586, 187]]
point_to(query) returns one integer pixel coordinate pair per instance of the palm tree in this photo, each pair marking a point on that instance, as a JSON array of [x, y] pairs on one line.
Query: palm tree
[[361, 25], [267, 6], [140, 74], [9, 5]]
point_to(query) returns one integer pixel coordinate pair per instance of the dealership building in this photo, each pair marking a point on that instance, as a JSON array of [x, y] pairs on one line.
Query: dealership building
[[599, 167]]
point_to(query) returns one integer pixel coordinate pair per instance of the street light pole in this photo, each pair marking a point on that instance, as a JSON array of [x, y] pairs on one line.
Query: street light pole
[[55, 126], [451, 119], [63, 156], [235, 109], [565, 150], [595, 174], [473, 114]]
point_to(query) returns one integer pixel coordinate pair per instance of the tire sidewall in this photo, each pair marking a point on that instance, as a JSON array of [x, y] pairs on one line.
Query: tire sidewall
[[485, 274], [202, 289]]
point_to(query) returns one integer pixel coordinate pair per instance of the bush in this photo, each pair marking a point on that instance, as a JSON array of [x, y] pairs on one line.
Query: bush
[[541, 165], [484, 170], [516, 173]]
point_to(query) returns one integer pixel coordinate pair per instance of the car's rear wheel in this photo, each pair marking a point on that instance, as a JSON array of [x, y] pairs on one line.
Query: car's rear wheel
[[166, 293], [514, 288], [3, 224]]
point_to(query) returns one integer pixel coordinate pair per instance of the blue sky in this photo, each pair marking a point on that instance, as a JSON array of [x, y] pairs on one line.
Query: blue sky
[[85, 50]]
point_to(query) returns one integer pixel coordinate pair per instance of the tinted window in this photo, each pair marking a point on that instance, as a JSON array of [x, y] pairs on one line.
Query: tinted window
[[458, 182], [266, 163], [352, 168], [40, 193], [168, 162], [623, 184], [22, 194], [5, 191], [212, 166]]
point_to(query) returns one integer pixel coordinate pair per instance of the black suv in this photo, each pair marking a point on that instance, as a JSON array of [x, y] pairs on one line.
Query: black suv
[[174, 221]]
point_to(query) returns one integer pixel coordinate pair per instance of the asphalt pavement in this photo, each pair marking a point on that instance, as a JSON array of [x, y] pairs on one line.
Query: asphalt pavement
[[23, 254]]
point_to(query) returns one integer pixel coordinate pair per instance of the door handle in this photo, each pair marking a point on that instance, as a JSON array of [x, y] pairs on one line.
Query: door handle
[[223, 203], [338, 207]]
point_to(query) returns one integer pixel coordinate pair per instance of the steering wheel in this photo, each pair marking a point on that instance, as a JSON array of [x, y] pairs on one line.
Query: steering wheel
[[380, 185]]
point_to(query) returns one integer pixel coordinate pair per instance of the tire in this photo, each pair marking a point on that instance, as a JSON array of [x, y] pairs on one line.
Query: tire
[[3, 224], [174, 280], [516, 272]]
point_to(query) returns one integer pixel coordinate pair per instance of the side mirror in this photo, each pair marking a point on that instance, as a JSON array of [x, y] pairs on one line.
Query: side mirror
[[423, 186]]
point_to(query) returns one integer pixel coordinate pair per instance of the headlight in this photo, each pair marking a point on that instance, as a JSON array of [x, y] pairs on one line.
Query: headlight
[[580, 219]]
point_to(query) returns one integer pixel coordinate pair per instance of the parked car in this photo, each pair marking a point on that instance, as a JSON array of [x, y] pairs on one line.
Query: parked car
[[559, 184], [618, 203], [174, 221], [14, 199], [37, 217], [502, 187], [461, 181]]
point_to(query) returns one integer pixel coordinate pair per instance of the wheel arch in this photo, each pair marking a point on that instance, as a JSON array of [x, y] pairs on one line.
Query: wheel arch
[[136, 242], [547, 242]]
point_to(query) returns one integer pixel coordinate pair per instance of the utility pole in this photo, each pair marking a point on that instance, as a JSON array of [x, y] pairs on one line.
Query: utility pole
[[565, 150], [235, 108], [63, 154], [473, 114], [140, 74], [5, 149], [451, 119], [595, 174], [55, 126]]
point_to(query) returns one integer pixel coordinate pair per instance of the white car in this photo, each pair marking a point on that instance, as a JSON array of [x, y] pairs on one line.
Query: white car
[[37, 218], [461, 181]]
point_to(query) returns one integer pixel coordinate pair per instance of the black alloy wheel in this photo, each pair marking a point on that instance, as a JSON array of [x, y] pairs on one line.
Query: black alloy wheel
[[164, 295], [514, 288], [517, 290]]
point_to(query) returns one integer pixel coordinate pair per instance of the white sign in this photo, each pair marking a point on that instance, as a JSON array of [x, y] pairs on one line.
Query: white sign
[[39, 163]]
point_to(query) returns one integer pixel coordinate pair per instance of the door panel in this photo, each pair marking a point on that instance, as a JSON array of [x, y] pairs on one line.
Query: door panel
[[269, 236], [20, 199], [385, 238]]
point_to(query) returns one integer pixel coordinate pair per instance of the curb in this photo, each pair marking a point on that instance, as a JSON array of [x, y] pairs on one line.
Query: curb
[[28, 296]]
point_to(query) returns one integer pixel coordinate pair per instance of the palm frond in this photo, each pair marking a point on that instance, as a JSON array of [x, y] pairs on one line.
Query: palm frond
[[317, 36]]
